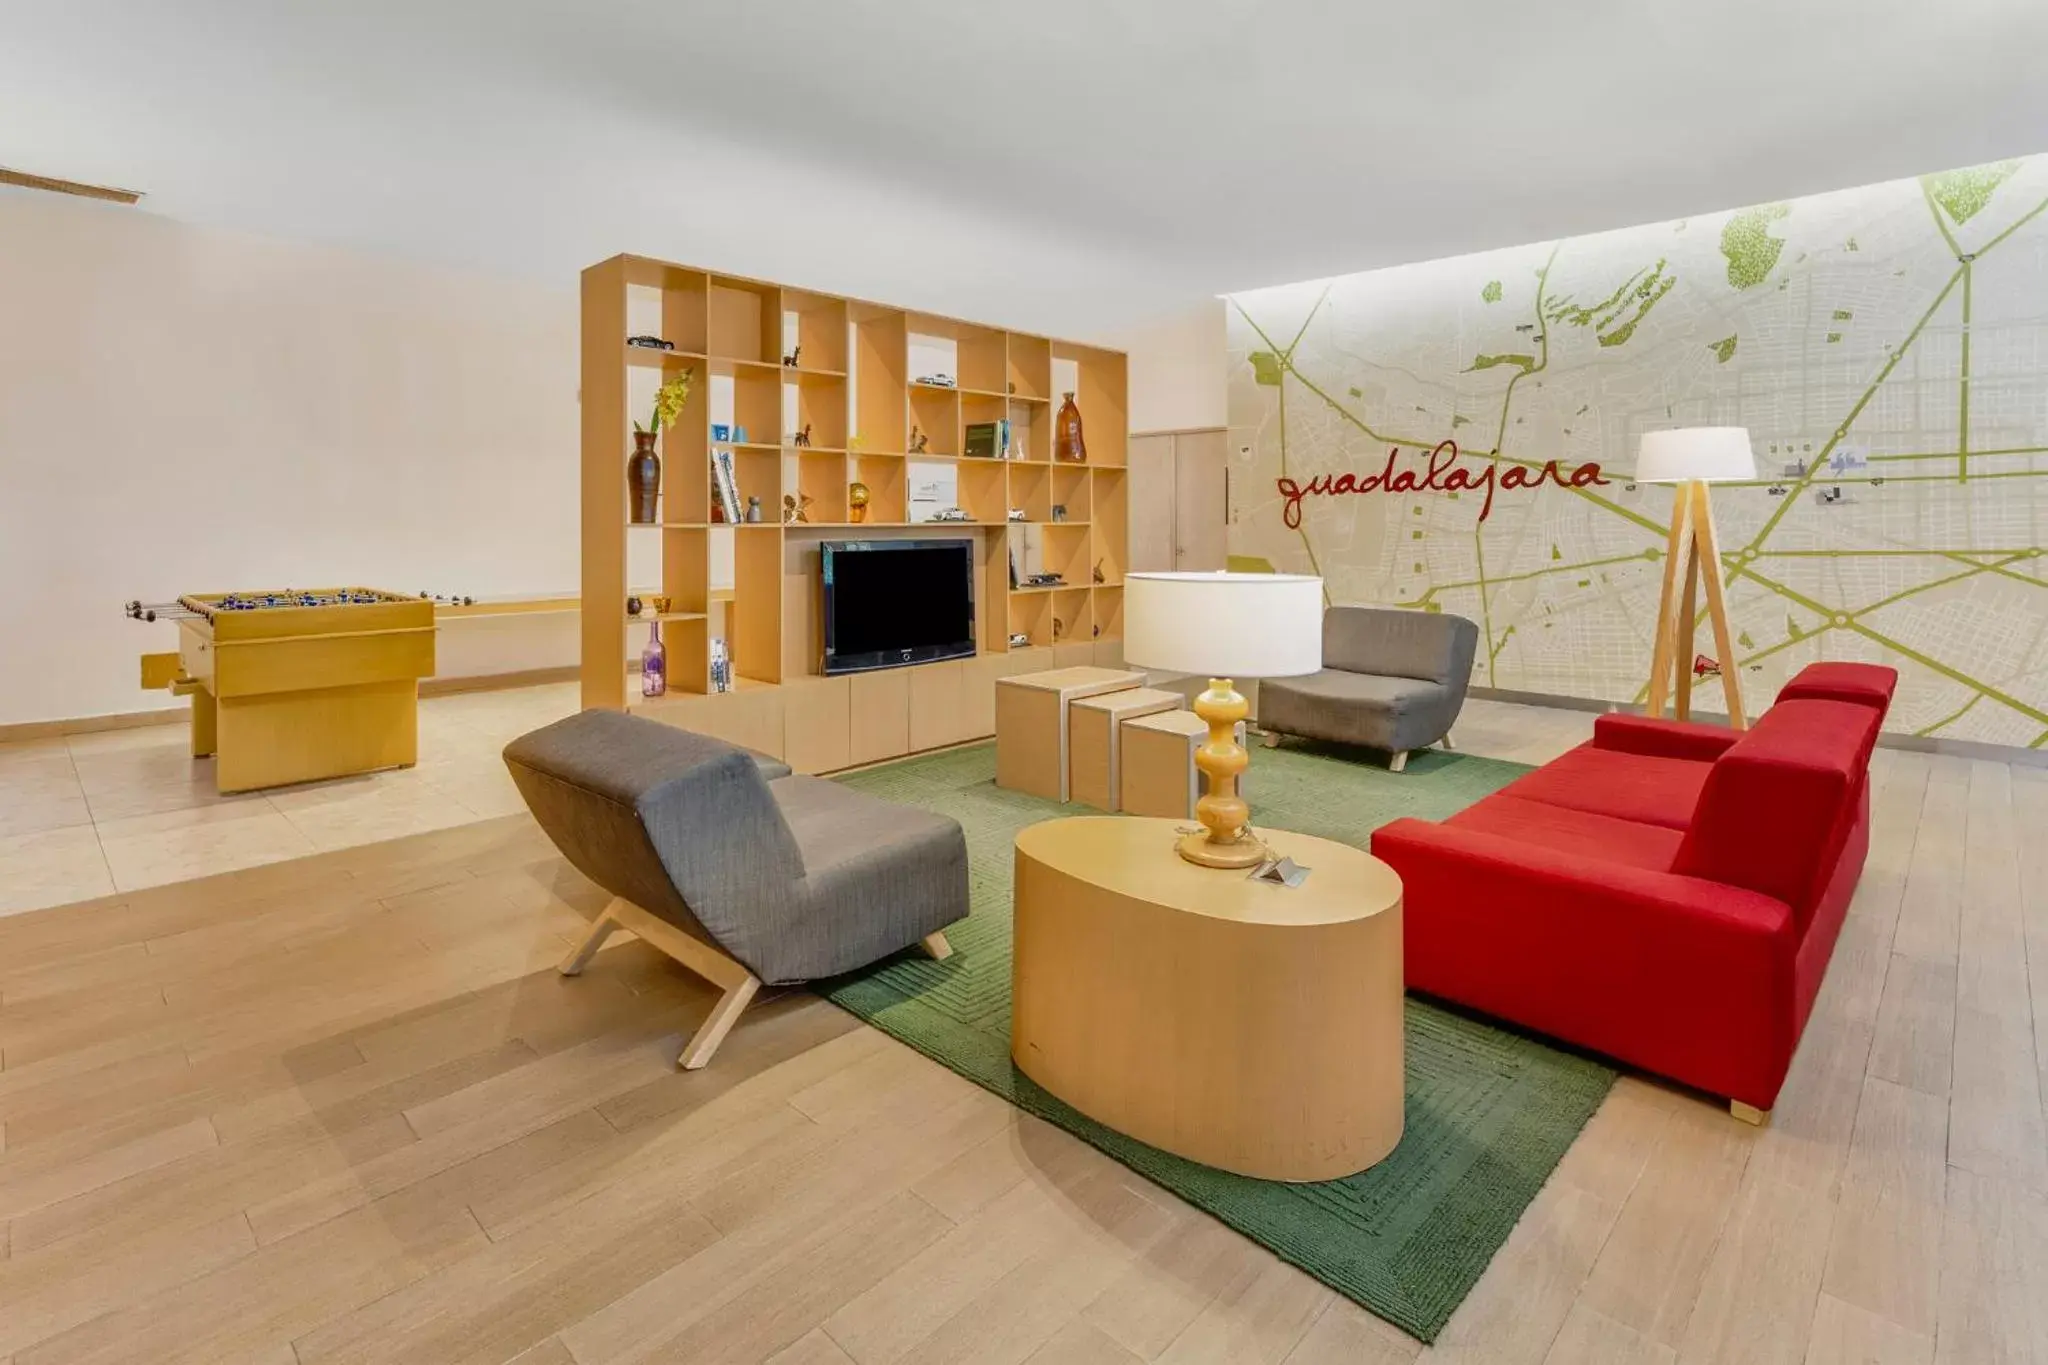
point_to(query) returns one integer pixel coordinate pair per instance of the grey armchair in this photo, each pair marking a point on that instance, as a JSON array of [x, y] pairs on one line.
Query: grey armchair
[[743, 879], [1392, 679]]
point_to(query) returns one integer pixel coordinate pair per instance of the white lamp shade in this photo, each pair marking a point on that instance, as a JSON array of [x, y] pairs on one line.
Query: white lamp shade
[[1712, 454], [1224, 625]]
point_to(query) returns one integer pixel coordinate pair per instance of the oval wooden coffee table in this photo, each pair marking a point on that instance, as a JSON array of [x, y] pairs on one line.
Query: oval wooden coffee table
[[1247, 1026]]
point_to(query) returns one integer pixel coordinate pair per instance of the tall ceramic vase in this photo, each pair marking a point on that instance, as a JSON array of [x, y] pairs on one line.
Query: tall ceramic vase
[[643, 476], [1067, 444]]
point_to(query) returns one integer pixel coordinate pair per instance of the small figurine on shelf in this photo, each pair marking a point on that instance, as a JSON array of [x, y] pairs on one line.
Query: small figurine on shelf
[[632, 606], [857, 496], [794, 358], [802, 439], [739, 435], [1059, 511], [1019, 514], [1098, 572], [721, 667], [918, 440], [794, 510], [1059, 628], [653, 664], [753, 509], [1019, 640]]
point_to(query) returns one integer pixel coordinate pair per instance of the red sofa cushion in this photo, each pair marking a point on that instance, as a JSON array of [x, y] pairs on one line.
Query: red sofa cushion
[[1576, 833], [1777, 808], [1626, 786], [1662, 738]]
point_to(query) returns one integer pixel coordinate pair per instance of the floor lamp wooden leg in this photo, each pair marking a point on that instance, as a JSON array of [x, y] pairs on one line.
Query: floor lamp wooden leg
[[1666, 642], [1688, 627], [600, 929], [1717, 605]]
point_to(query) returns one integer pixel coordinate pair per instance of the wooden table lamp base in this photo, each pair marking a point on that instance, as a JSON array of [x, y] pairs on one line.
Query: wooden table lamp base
[[1224, 840], [1693, 552]]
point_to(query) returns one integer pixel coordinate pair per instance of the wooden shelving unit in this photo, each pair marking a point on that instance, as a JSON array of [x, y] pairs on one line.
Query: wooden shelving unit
[[862, 389]]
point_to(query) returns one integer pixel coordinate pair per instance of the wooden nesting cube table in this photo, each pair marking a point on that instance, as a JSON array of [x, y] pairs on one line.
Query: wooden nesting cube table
[[1094, 752], [294, 693], [1031, 724], [1157, 775]]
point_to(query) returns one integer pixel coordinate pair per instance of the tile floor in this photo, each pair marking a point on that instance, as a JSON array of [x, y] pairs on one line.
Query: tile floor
[[125, 809], [121, 810]]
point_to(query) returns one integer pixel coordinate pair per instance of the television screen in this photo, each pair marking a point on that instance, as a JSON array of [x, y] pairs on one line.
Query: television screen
[[895, 602]]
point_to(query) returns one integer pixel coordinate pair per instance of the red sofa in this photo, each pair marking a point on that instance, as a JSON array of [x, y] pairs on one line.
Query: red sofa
[[1667, 893]]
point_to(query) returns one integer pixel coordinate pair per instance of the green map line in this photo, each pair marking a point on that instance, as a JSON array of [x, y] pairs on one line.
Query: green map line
[[1844, 619], [1963, 383], [1949, 719], [1886, 478], [1842, 429], [1933, 207], [1897, 646], [1950, 454], [1892, 554], [1650, 556]]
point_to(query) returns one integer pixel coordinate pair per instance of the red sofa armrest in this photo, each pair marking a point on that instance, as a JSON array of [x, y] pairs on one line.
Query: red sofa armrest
[[1685, 977], [1663, 738]]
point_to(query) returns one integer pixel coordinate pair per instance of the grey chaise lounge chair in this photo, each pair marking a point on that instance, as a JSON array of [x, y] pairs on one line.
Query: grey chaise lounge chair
[[743, 879], [1392, 679]]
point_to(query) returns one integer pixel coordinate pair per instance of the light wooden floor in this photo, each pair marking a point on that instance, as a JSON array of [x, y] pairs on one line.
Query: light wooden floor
[[341, 1109]]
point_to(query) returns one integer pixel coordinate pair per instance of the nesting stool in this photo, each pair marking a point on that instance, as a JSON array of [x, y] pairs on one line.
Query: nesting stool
[[1094, 749], [1157, 775], [1031, 724]]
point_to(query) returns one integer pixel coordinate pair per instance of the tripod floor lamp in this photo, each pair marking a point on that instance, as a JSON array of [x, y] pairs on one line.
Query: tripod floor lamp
[[1692, 458]]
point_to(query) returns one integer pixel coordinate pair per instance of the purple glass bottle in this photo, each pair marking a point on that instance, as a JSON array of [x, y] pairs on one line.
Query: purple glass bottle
[[653, 664]]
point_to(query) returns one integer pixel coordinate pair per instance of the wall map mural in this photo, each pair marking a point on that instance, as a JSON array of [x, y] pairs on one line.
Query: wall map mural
[[1459, 435]]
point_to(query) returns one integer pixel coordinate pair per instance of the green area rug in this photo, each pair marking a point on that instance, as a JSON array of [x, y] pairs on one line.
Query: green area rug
[[1489, 1112]]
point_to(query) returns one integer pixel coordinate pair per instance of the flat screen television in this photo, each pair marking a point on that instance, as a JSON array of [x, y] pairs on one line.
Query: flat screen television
[[888, 603]]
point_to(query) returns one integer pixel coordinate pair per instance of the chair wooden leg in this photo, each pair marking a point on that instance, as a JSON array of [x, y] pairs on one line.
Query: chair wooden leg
[[936, 945], [736, 984], [1449, 746], [1749, 1113], [1398, 762], [600, 929], [718, 1023]]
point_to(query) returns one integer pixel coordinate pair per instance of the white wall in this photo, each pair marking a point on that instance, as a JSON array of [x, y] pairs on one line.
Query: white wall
[[1178, 369], [190, 410]]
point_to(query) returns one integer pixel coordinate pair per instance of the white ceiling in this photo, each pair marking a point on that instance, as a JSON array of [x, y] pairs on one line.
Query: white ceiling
[[1069, 165]]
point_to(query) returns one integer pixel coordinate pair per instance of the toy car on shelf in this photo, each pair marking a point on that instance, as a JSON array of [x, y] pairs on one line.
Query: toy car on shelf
[[647, 343], [951, 514]]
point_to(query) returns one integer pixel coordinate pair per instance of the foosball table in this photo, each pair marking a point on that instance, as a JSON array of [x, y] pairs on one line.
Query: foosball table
[[298, 685]]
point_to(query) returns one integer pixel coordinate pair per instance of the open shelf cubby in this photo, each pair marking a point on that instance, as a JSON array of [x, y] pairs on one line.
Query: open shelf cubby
[[855, 385]]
